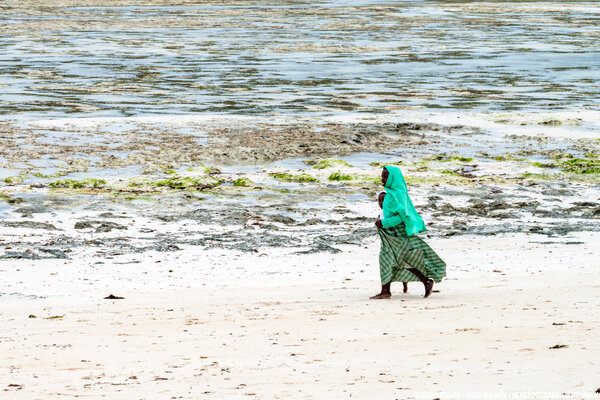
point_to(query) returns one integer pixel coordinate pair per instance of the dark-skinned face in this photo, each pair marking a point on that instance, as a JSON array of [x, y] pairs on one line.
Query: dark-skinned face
[[384, 176]]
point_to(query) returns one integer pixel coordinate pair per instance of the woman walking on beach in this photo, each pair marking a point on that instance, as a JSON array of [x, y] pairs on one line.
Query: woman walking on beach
[[399, 243]]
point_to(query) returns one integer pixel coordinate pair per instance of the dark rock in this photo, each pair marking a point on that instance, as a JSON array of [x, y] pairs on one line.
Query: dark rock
[[56, 253], [100, 226], [498, 205], [501, 214], [168, 218], [14, 200], [558, 192], [113, 297], [108, 226], [320, 248], [163, 247], [31, 255], [29, 224], [27, 255], [353, 138], [282, 219], [32, 210], [111, 215], [528, 204], [311, 221], [83, 225], [447, 209], [595, 213], [585, 204]]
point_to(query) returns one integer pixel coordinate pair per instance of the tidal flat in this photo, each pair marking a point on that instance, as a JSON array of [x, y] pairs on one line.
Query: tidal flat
[[307, 184]]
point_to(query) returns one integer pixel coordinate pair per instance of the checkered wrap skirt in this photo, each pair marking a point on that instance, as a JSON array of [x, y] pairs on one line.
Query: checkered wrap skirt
[[398, 250]]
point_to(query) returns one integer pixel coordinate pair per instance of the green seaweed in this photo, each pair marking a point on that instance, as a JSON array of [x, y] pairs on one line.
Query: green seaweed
[[449, 172], [243, 181], [327, 163], [339, 176], [508, 157], [14, 180], [462, 159], [179, 182], [294, 178], [369, 179], [550, 122], [380, 164], [212, 170], [54, 175], [569, 163], [204, 169], [544, 177], [78, 184], [560, 155], [447, 158], [433, 179], [543, 165], [422, 166], [581, 166]]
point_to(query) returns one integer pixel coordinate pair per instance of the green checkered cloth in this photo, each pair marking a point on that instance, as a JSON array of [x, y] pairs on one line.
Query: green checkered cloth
[[398, 248]]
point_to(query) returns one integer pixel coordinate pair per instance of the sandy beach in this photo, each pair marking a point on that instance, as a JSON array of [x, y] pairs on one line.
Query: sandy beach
[[228, 325], [188, 196]]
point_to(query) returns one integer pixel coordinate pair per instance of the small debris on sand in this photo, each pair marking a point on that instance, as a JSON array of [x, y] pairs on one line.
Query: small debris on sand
[[558, 346]]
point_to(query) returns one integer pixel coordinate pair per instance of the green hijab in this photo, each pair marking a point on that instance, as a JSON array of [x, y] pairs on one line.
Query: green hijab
[[397, 201]]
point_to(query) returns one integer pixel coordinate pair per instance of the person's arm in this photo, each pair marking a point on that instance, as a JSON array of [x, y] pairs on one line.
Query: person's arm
[[390, 204], [391, 221]]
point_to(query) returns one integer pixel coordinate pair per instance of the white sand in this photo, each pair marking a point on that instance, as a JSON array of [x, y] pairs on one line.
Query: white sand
[[271, 325]]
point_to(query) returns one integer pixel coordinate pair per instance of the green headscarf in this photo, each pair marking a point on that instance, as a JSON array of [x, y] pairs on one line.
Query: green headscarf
[[398, 202]]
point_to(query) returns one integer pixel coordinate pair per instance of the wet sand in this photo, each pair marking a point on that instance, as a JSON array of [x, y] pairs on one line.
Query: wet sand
[[224, 324]]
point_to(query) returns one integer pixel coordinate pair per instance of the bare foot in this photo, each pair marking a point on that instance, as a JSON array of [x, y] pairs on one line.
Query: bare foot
[[405, 287], [381, 296], [428, 287]]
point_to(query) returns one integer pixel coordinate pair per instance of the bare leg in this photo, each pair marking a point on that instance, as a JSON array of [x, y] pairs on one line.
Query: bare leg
[[428, 283], [385, 292]]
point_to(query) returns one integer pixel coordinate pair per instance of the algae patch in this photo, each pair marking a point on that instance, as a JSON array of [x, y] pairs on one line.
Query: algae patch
[[339, 176], [581, 166], [380, 164], [243, 182], [327, 163], [79, 184], [508, 157], [186, 182], [302, 178]]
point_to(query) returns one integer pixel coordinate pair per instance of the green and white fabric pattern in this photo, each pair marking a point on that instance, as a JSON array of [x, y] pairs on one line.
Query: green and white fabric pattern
[[399, 249]]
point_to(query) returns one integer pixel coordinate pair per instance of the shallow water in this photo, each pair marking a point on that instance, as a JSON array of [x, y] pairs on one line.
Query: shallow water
[[317, 58]]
